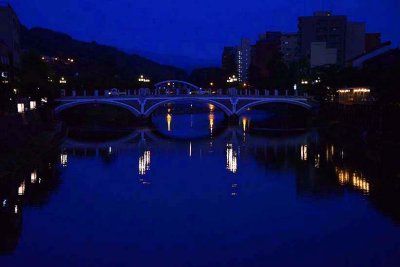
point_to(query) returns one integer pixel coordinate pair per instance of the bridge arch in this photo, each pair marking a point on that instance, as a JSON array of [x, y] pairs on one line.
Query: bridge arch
[[294, 102], [224, 108], [188, 85], [75, 103]]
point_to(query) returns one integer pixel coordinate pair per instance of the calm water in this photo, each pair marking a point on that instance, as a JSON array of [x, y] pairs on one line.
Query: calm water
[[197, 193]]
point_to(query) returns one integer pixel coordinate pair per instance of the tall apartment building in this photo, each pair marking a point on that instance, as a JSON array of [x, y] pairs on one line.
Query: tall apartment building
[[323, 27], [290, 47], [243, 59], [9, 35], [267, 47], [348, 38], [355, 39]]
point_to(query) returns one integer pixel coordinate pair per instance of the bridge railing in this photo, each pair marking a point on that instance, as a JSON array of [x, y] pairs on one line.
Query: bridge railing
[[143, 92]]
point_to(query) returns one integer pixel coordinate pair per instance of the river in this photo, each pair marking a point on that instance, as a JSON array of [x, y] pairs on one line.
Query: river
[[192, 191]]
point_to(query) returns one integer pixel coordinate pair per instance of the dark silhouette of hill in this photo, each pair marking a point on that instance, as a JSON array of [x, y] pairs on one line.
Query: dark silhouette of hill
[[96, 64]]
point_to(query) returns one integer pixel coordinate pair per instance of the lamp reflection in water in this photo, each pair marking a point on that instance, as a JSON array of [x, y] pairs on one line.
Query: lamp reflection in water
[[231, 158], [303, 152], [211, 117], [64, 159], [169, 119], [245, 123], [144, 162], [356, 180], [21, 189], [33, 177]]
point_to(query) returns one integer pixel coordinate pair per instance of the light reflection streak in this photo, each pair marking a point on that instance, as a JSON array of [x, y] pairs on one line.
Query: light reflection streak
[[64, 159], [169, 119], [34, 177], [354, 179], [21, 189], [144, 162], [303, 152], [231, 158]]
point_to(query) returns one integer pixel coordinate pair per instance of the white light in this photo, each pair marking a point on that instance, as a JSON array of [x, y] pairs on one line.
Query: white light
[[144, 162], [34, 177], [231, 158], [21, 189], [21, 107], [32, 104], [64, 159]]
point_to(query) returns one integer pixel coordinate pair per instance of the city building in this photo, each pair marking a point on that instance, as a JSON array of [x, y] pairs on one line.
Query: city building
[[10, 34], [267, 48], [321, 55], [357, 95], [290, 47], [372, 41], [229, 61], [243, 59], [323, 27], [355, 39]]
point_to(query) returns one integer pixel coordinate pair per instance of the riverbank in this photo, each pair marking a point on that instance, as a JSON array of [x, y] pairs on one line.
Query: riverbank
[[25, 140]]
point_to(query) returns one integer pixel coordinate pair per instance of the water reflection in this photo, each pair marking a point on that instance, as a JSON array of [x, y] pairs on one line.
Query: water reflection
[[144, 162], [231, 158], [280, 190], [353, 179]]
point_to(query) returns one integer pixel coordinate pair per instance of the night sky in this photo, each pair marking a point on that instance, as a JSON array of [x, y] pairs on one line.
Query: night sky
[[193, 32]]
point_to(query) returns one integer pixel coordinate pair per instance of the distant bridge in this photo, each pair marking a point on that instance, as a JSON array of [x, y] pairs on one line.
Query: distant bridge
[[142, 103]]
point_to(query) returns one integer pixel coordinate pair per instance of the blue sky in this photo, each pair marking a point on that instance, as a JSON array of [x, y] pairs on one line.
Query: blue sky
[[193, 31]]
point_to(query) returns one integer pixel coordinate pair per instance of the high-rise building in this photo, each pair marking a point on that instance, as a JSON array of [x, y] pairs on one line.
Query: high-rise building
[[229, 66], [321, 55], [290, 47], [267, 48], [355, 39], [243, 59], [323, 27], [9, 34]]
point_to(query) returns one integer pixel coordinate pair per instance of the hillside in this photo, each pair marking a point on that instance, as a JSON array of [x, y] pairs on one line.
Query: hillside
[[97, 65]]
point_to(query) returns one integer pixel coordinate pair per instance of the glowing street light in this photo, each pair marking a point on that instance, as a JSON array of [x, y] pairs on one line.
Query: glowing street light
[[143, 79], [232, 79], [63, 80]]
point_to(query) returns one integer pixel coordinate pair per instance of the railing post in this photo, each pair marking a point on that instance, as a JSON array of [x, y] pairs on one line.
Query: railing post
[[96, 92], [286, 92], [296, 93], [73, 93], [84, 92], [106, 92], [276, 92]]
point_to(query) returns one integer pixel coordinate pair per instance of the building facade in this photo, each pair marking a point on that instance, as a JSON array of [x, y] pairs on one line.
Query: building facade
[[321, 55], [10, 34], [266, 49], [243, 59], [355, 39], [323, 27], [290, 47]]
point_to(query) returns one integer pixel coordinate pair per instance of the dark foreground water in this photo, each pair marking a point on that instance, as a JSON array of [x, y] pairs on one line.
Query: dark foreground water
[[219, 197]]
